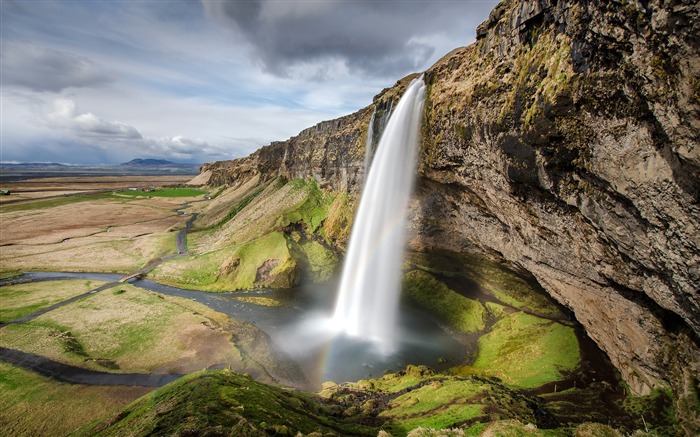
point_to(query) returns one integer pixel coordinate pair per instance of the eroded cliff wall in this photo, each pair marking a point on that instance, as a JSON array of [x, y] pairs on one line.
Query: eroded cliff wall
[[565, 141]]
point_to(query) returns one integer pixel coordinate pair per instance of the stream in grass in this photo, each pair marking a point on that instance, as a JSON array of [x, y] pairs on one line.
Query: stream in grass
[[300, 327]]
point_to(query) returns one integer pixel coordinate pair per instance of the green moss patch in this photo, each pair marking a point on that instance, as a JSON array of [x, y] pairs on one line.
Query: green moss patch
[[474, 276], [437, 404], [319, 263], [312, 211], [339, 220], [527, 351], [458, 312], [655, 412], [418, 397]]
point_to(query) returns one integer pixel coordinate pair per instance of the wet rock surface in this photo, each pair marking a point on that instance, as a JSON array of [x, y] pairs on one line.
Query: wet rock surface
[[565, 141]]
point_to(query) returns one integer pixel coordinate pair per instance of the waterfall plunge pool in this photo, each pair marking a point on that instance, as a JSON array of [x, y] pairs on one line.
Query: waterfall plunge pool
[[301, 328]]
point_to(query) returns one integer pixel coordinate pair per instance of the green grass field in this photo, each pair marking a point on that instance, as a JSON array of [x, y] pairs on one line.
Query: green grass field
[[55, 201], [23, 299], [163, 192], [33, 405], [125, 329]]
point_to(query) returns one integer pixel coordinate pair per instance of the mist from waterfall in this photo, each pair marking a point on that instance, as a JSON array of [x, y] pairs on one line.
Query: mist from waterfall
[[368, 298]]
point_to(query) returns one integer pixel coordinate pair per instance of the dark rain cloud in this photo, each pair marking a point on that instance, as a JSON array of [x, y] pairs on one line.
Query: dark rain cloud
[[375, 38], [45, 69]]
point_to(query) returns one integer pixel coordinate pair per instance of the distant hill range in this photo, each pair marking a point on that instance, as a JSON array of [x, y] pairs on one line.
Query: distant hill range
[[135, 166], [140, 162]]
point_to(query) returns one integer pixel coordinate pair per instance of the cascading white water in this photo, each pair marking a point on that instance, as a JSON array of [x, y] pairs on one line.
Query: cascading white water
[[369, 289]]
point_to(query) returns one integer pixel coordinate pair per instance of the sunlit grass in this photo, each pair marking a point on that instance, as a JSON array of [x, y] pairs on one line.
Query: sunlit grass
[[233, 268], [34, 405], [453, 309], [527, 351], [133, 330], [23, 299], [163, 192]]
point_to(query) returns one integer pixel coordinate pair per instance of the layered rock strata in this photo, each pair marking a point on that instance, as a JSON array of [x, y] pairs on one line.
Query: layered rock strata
[[565, 141]]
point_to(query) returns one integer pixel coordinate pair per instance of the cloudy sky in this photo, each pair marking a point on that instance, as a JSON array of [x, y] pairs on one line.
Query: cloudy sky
[[87, 82]]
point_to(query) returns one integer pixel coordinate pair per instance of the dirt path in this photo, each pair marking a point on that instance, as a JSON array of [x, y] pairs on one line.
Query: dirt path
[[36, 314], [77, 375], [64, 372]]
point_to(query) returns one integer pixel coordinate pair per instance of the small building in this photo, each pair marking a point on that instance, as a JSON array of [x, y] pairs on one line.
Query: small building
[[5, 192]]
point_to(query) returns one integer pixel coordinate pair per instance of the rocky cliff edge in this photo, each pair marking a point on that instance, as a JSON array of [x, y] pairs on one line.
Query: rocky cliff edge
[[565, 141]]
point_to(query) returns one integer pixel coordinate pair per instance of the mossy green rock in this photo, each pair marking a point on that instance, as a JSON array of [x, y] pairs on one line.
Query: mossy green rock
[[222, 403], [527, 351], [454, 310]]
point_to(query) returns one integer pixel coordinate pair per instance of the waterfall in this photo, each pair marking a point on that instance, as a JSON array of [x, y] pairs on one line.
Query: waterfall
[[368, 143], [369, 291]]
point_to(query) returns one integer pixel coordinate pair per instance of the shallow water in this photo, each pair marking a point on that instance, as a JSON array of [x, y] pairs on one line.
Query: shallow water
[[301, 328]]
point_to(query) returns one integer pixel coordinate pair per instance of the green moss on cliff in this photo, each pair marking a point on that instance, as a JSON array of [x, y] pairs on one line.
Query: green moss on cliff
[[317, 262], [275, 235], [261, 263], [338, 222], [454, 310], [527, 351], [312, 211]]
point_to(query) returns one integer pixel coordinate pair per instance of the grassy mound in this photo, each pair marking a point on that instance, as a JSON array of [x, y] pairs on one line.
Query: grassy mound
[[456, 311], [270, 235], [224, 403], [260, 263]]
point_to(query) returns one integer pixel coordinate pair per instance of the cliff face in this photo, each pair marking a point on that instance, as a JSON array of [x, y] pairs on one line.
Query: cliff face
[[565, 141], [332, 152]]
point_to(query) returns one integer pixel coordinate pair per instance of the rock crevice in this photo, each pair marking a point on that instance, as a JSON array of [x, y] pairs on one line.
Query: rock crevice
[[565, 141]]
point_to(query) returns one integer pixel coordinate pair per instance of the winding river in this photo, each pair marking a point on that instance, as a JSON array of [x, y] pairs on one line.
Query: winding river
[[299, 328]]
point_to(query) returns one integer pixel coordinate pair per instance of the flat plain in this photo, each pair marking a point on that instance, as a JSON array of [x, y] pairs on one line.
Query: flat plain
[[100, 224], [110, 225]]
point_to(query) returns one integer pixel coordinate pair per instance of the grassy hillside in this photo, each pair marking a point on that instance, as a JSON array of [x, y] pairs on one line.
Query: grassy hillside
[[275, 234]]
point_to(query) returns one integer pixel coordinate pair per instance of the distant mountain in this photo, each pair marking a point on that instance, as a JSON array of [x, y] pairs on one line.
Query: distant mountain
[[151, 163], [136, 166], [32, 165]]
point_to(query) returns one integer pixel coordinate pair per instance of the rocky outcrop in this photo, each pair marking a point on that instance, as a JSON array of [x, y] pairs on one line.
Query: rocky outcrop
[[332, 152], [565, 141]]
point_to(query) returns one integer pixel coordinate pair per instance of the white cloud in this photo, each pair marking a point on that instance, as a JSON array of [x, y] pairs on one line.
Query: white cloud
[[113, 81], [88, 124]]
